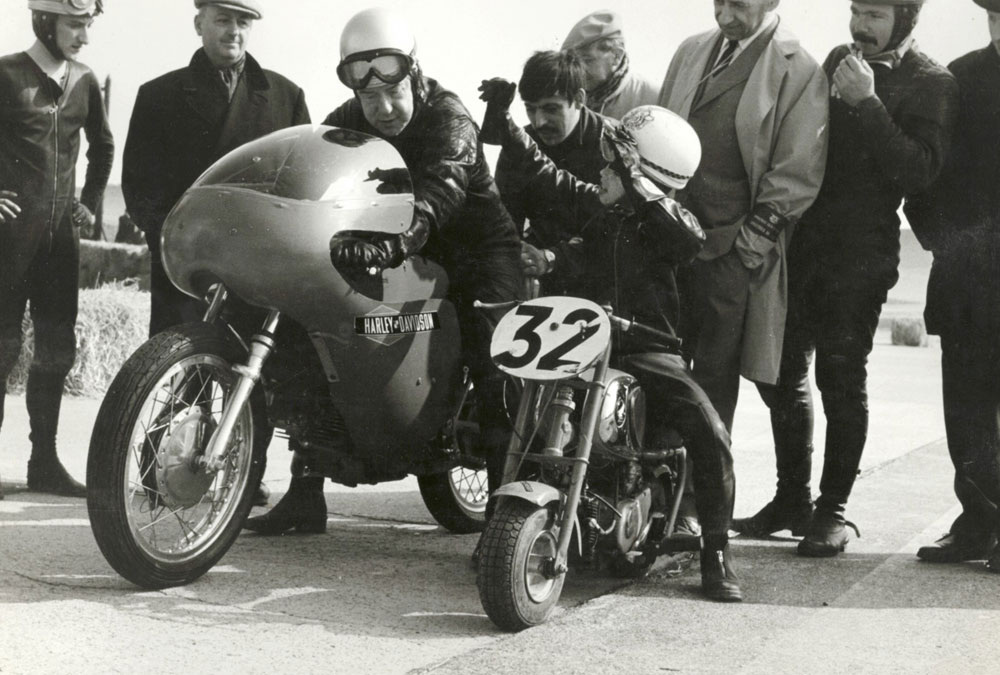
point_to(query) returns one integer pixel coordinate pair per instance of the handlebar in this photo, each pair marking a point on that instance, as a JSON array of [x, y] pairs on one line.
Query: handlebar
[[670, 341], [489, 306]]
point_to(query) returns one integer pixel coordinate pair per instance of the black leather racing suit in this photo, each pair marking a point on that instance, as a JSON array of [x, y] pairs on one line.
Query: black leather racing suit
[[628, 259]]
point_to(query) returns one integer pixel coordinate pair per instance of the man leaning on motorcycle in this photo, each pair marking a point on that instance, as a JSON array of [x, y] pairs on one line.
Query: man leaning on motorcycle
[[627, 257], [459, 222]]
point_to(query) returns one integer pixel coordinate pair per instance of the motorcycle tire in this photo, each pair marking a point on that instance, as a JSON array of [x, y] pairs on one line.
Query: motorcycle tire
[[158, 519], [519, 542], [456, 498]]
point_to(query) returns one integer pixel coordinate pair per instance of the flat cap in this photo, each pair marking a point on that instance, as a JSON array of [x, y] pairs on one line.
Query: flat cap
[[251, 7], [991, 5], [600, 24], [893, 3]]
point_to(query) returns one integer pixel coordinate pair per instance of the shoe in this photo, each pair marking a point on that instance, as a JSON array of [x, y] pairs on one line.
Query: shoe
[[52, 478], [718, 576], [952, 549], [774, 517], [827, 535], [303, 509], [261, 496]]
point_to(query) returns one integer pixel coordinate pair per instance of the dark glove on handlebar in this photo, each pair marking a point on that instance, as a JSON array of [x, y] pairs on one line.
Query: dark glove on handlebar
[[498, 94], [374, 255], [359, 255]]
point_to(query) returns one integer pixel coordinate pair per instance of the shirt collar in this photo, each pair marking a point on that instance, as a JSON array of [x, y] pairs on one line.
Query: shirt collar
[[50, 65], [769, 20]]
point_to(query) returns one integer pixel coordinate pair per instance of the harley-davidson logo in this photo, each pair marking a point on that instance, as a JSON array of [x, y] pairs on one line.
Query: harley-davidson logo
[[381, 327]]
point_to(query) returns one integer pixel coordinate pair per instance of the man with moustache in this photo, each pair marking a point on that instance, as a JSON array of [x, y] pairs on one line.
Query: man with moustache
[[552, 87], [612, 86], [963, 294], [892, 112], [758, 103], [459, 222], [46, 98], [185, 120]]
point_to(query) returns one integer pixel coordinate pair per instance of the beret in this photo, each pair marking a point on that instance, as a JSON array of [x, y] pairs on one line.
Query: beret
[[596, 25]]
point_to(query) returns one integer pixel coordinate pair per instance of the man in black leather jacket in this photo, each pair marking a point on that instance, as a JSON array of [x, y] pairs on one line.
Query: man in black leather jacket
[[628, 258], [892, 111], [459, 220], [46, 98]]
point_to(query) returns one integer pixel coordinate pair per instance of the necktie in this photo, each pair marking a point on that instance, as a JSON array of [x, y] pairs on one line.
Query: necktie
[[726, 58]]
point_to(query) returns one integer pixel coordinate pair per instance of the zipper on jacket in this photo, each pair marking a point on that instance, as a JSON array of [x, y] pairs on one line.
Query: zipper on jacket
[[55, 172]]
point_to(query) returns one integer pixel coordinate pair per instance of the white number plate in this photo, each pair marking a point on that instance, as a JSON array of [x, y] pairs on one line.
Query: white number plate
[[550, 338]]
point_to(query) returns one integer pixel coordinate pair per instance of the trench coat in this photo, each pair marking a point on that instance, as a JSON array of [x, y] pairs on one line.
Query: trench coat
[[781, 127]]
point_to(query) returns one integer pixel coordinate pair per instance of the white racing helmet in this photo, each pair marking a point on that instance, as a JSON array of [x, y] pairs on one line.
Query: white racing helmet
[[668, 147], [376, 43]]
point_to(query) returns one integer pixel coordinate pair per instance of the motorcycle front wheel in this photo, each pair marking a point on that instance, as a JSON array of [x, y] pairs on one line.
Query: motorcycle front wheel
[[159, 518], [516, 586]]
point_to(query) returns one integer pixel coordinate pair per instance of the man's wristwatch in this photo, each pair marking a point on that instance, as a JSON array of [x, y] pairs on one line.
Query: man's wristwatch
[[550, 259]]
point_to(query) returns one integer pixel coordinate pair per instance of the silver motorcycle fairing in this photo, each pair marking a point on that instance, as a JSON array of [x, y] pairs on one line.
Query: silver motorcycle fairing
[[260, 221]]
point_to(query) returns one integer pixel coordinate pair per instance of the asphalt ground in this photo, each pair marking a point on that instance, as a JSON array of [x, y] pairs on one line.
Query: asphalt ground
[[387, 591]]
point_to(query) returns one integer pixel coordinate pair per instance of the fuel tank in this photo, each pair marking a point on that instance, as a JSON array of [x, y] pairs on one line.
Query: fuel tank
[[260, 221]]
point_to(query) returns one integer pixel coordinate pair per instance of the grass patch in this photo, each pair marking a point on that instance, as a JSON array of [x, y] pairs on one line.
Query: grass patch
[[113, 322]]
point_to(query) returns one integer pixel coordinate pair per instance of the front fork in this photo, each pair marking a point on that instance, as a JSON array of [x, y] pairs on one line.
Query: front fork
[[581, 459], [261, 347]]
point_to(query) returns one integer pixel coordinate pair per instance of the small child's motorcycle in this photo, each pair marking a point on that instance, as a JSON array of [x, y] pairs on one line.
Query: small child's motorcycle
[[582, 487], [362, 375]]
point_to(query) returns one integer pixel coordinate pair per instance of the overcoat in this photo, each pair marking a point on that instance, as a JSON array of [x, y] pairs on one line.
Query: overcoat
[[781, 127], [183, 121]]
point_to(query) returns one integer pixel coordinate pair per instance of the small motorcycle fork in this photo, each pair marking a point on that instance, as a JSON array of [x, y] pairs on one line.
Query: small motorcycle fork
[[261, 347], [581, 460]]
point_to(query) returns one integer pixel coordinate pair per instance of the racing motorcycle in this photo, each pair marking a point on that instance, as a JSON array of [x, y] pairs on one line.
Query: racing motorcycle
[[583, 485], [362, 375]]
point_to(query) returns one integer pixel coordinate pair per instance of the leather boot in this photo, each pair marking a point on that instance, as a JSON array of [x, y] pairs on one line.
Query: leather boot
[[303, 508], [827, 534], [45, 472], [778, 514], [718, 574]]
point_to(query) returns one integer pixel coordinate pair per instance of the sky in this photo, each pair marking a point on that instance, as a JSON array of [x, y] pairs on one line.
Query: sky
[[460, 42]]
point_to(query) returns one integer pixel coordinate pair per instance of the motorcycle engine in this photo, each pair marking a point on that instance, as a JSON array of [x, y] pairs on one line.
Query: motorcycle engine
[[632, 524], [622, 423]]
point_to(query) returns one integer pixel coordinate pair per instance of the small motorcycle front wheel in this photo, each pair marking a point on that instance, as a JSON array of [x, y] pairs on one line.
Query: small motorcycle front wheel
[[158, 516], [516, 585], [456, 498]]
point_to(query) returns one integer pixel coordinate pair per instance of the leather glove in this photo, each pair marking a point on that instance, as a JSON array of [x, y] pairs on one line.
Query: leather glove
[[498, 94], [372, 255], [362, 255]]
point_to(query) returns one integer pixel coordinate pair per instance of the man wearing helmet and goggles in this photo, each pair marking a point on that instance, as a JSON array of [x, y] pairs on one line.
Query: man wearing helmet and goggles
[[459, 221], [46, 97], [892, 112], [627, 256]]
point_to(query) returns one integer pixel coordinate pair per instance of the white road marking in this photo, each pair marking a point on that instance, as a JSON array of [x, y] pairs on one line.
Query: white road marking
[[79, 576], [280, 594], [226, 569], [424, 614], [55, 522], [10, 506]]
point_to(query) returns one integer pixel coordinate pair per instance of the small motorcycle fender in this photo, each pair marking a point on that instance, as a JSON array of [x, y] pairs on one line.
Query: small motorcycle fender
[[540, 495]]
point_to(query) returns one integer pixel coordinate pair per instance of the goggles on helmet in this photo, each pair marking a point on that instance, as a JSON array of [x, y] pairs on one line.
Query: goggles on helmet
[[390, 67]]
